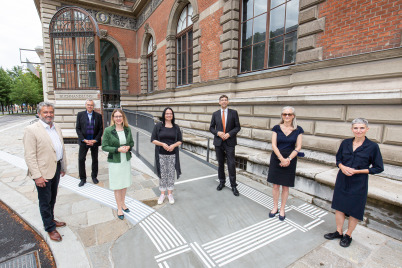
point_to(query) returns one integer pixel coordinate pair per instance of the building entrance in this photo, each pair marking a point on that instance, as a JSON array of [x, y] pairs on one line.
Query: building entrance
[[110, 75]]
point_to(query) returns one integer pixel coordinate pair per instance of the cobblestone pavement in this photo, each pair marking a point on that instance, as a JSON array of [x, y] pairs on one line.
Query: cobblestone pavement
[[93, 228]]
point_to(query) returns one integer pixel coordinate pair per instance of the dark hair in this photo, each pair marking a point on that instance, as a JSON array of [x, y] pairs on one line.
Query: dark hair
[[223, 96], [163, 115]]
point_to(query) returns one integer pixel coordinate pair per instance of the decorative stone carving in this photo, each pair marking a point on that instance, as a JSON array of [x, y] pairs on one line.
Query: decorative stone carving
[[103, 17], [113, 19], [103, 33]]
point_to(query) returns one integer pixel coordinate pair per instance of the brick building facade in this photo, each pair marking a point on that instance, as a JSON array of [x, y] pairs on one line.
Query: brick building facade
[[333, 60]]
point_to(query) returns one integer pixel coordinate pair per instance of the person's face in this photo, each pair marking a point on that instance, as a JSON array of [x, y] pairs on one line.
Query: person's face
[[288, 115], [359, 130], [223, 102], [89, 106], [168, 115], [118, 118], [46, 114]]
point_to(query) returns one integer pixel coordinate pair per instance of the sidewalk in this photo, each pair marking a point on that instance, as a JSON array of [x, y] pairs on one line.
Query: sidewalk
[[94, 237]]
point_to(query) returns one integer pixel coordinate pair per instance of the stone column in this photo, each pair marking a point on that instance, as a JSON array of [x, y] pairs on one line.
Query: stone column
[[171, 61], [144, 74], [229, 39], [196, 48]]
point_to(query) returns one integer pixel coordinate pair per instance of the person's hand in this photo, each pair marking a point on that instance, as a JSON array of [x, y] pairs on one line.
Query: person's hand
[[41, 182], [220, 134], [284, 162], [62, 173], [226, 136], [165, 146], [122, 149], [171, 148], [347, 170]]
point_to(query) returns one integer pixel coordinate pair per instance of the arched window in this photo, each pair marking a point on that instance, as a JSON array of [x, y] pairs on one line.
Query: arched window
[[150, 65], [184, 47]]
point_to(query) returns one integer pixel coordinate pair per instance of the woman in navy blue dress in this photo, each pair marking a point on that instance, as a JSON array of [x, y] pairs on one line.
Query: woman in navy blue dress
[[286, 144], [356, 158]]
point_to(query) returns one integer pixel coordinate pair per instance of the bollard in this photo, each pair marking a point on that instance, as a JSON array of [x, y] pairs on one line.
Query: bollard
[[137, 144], [208, 149]]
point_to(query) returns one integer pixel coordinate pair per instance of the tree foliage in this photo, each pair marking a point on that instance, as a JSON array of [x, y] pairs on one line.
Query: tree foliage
[[5, 86]]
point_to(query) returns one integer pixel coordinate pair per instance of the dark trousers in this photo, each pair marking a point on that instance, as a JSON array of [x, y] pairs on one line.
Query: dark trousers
[[82, 156], [47, 200], [229, 152]]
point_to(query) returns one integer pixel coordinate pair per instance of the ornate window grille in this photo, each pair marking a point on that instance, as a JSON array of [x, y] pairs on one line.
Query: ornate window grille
[[74, 41]]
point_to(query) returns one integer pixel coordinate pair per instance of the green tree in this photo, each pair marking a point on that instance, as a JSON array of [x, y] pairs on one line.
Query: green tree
[[5, 88], [26, 88]]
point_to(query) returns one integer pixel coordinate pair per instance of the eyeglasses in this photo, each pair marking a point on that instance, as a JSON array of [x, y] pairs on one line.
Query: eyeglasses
[[118, 116], [287, 115]]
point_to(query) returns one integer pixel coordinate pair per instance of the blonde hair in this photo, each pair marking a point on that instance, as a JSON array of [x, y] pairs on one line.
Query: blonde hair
[[125, 122], [294, 121]]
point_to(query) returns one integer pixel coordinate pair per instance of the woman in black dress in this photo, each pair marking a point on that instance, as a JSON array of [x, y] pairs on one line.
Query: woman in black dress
[[286, 144], [356, 158], [167, 137]]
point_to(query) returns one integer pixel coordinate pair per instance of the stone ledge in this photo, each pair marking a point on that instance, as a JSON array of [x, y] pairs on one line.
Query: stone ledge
[[380, 188]]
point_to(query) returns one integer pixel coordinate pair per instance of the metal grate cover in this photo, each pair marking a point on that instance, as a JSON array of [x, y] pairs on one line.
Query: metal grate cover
[[29, 260]]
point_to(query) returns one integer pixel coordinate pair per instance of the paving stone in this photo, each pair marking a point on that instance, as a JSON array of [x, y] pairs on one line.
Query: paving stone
[[143, 194], [321, 257], [100, 215], [75, 220], [26, 189], [388, 255], [356, 253], [99, 255], [147, 184], [85, 205], [63, 209], [368, 238], [87, 236], [110, 231]]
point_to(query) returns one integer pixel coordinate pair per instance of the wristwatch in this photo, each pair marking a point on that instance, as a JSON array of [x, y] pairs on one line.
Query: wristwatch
[[290, 158]]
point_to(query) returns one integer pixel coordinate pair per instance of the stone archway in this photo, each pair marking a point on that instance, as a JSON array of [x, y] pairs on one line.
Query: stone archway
[[110, 63]]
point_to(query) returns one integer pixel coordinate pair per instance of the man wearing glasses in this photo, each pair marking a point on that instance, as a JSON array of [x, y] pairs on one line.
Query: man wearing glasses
[[89, 129], [225, 125]]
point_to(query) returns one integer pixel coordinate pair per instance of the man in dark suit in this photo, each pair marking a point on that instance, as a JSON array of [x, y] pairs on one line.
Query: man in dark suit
[[225, 125], [89, 129]]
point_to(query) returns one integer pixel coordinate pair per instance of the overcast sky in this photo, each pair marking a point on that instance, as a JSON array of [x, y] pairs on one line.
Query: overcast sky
[[20, 27]]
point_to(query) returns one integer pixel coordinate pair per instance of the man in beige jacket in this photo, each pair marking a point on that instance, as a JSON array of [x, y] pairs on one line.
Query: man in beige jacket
[[45, 157]]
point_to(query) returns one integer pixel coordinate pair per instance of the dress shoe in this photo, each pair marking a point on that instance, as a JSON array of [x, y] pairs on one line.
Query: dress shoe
[[271, 215], [332, 236], [127, 210], [95, 180], [121, 217], [59, 223], [282, 218], [220, 186], [235, 192], [82, 182], [345, 241], [55, 236]]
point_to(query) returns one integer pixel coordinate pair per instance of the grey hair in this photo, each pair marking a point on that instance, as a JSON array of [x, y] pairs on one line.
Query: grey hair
[[89, 100], [294, 121], [44, 104], [360, 121]]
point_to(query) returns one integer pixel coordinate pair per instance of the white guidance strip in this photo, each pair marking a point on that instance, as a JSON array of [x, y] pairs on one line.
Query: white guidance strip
[[313, 210], [196, 179], [105, 196]]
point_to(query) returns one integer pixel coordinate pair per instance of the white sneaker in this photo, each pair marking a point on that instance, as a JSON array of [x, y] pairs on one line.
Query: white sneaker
[[161, 198], [171, 199]]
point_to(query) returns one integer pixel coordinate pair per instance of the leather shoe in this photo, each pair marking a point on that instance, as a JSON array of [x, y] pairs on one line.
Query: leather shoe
[[345, 241], [220, 186], [59, 223], [82, 182], [127, 210], [282, 218], [55, 236], [332, 236], [271, 215], [95, 180], [235, 192], [121, 217]]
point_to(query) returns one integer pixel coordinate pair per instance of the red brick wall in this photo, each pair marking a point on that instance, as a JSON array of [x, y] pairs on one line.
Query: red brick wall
[[204, 4], [210, 46], [359, 26]]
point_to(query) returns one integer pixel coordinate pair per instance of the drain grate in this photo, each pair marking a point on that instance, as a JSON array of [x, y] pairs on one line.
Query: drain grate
[[29, 260]]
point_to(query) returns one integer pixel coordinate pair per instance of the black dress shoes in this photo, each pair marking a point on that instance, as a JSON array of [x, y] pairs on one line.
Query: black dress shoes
[[95, 180], [82, 182], [235, 192], [345, 241], [332, 236], [220, 186], [271, 215]]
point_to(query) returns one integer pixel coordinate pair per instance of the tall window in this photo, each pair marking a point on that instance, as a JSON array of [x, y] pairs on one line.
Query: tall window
[[150, 65], [184, 47], [268, 34]]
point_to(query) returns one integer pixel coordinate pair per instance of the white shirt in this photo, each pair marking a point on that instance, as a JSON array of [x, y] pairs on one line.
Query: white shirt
[[90, 116], [55, 139], [226, 116]]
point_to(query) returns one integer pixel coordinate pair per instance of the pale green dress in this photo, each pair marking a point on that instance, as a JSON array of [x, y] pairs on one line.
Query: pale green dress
[[120, 173]]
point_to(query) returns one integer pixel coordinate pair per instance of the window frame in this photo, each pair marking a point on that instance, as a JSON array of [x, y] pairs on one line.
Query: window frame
[[150, 67], [267, 37]]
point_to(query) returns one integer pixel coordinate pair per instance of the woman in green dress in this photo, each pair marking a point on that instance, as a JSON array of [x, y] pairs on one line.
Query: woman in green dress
[[118, 142]]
